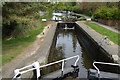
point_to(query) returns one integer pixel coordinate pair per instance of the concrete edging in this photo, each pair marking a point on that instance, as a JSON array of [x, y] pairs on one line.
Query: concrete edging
[[111, 49], [38, 51]]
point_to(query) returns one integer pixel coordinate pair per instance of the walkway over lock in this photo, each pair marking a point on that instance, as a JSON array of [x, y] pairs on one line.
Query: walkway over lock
[[63, 73], [37, 67]]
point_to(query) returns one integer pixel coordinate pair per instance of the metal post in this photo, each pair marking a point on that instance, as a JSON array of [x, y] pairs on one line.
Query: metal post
[[17, 74], [63, 62], [98, 71], [78, 57], [36, 65]]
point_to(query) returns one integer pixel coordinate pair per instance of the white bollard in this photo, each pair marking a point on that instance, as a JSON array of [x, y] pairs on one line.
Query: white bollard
[[37, 66]]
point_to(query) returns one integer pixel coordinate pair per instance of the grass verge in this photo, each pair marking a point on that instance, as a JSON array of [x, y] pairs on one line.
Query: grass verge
[[12, 48], [113, 36]]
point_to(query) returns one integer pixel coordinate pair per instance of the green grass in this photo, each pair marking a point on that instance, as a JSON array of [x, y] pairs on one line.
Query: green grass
[[0, 60], [82, 18], [12, 48], [113, 36]]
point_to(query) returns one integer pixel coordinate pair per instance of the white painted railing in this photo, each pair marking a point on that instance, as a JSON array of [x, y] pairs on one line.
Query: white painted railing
[[37, 67], [98, 71]]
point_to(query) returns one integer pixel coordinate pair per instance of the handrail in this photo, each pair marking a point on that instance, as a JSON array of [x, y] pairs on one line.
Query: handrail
[[98, 71], [37, 66]]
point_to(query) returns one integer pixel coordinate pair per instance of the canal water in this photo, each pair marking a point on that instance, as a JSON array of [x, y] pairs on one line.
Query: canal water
[[65, 44]]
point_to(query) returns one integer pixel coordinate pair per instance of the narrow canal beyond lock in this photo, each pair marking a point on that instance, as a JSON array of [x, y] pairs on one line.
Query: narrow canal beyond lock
[[66, 43]]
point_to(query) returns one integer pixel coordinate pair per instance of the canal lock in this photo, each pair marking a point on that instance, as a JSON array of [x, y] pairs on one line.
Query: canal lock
[[70, 40]]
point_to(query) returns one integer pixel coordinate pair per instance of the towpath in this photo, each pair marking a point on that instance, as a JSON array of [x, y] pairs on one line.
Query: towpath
[[108, 27], [111, 49], [105, 26], [38, 51]]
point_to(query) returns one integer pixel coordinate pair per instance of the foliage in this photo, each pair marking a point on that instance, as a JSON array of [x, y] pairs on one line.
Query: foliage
[[67, 6], [90, 8], [107, 13], [18, 17], [76, 9]]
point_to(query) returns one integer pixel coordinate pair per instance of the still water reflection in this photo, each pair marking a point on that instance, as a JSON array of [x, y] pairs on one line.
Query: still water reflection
[[66, 45]]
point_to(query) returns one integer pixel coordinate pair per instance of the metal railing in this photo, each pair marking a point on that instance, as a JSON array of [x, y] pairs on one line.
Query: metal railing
[[98, 71], [37, 67]]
